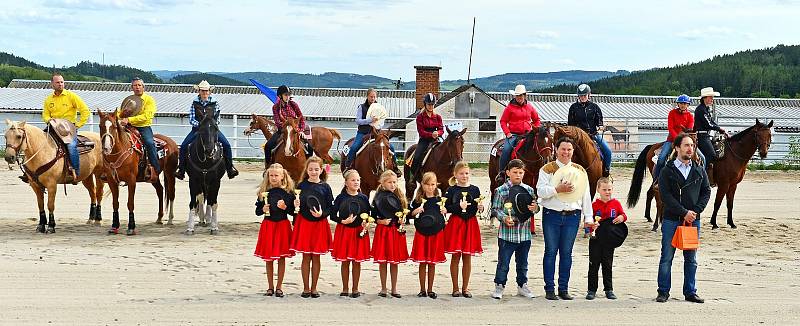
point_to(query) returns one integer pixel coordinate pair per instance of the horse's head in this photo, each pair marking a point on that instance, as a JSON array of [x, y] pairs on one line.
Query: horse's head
[[454, 145], [109, 130], [15, 139], [254, 125], [763, 137], [541, 142], [291, 135], [207, 132], [381, 152]]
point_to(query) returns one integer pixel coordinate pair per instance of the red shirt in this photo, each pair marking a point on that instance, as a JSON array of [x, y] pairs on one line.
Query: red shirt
[[281, 111], [519, 119], [608, 210], [677, 121], [426, 125]]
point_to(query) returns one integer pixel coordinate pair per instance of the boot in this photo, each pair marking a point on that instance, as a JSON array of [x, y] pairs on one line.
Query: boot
[[180, 174], [232, 172], [71, 177], [24, 177], [606, 172], [153, 177]]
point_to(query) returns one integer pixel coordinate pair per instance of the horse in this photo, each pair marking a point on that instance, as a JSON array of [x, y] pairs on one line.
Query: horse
[[289, 151], [618, 136], [730, 168], [376, 157], [441, 161], [206, 168], [536, 151], [42, 162], [585, 153], [321, 137], [121, 158]]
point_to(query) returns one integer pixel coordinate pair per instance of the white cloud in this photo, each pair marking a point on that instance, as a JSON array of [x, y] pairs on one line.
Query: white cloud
[[565, 62], [112, 4], [533, 46], [546, 34], [704, 33]]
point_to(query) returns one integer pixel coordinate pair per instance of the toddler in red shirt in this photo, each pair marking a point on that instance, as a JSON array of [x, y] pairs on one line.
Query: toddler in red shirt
[[607, 210]]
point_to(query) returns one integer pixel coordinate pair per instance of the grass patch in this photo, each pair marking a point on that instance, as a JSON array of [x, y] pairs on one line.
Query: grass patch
[[776, 166]]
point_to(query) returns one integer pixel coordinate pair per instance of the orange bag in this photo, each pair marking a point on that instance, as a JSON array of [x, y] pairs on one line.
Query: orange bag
[[686, 237]]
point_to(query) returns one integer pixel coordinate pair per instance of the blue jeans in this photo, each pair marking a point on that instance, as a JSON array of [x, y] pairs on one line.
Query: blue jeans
[[504, 252], [356, 145], [668, 228], [74, 158], [559, 237], [662, 159], [150, 145], [605, 150], [226, 147], [505, 156]]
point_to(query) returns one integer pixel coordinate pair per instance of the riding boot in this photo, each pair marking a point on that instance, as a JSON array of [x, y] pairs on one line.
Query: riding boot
[[153, 177], [606, 172], [71, 177], [710, 171], [180, 174], [232, 172]]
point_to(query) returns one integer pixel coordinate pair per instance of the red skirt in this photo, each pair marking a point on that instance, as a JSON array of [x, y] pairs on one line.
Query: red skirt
[[348, 246], [273, 240], [428, 249], [389, 246], [462, 236], [311, 237]]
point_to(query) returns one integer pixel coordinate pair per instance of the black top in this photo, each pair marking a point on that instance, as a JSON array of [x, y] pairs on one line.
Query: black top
[[345, 204], [430, 221], [276, 214], [324, 195], [383, 206], [683, 194], [364, 129], [454, 197], [586, 116], [703, 120]]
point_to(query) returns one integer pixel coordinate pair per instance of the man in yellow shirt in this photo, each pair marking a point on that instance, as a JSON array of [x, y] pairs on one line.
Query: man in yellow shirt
[[142, 122], [63, 104]]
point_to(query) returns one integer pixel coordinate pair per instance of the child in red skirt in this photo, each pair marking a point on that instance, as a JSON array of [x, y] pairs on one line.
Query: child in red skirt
[[348, 243], [462, 235], [427, 250], [312, 232], [389, 245], [275, 204]]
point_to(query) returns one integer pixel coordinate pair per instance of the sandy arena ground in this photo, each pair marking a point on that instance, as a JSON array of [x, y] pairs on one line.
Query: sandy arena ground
[[82, 276]]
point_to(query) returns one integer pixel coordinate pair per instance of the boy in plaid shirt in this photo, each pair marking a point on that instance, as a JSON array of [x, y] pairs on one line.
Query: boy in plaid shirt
[[512, 238]]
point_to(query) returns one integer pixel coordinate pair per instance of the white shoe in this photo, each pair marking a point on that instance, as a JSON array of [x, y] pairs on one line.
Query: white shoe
[[498, 291], [524, 291]]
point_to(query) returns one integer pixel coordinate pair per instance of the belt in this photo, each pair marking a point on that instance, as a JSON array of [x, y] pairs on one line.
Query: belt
[[702, 132], [564, 213]]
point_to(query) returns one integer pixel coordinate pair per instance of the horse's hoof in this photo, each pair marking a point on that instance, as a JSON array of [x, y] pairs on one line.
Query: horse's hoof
[[654, 229], [649, 219], [203, 224], [214, 232], [90, 221], [188, 232], [50, 229], [169, 222], [733, 226], [714, 227], [159, 222], [40, 228], [113, 231]]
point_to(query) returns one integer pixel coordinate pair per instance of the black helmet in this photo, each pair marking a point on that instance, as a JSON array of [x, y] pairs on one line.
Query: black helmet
[[429, 99], [283, 89], [584, 89]]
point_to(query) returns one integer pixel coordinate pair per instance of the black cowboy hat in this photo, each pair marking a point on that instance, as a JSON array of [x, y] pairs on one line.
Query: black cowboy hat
[[388, 204], [353, 205], [276, 194], [455, 197], [312, 199], [520, 198], [610, 234], [431, 220]]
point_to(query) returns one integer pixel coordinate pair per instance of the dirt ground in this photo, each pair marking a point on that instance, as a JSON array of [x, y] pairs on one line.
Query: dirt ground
[[81, 275]]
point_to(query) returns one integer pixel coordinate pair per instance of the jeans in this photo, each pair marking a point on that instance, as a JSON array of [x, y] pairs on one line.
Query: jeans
[[504, 252], [358, 141], [74, 158], [559, 237], [600, 255], [605, 150], [668, 228], [226, 148], [662, 158], [150, 145], [505, 156], [270, 145]]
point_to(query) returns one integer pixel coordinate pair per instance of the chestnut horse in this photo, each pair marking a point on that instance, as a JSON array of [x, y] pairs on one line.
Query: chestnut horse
[[441, 161], [40, 149], [535, 152], [289, 150], [321, 137], [375, 158], [585, 153], [121, 160]]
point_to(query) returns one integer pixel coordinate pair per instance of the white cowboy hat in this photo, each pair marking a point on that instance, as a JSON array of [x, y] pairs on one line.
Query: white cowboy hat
[[519, 90], [203, 85], [708, 91], [377, 111], [574, 176]]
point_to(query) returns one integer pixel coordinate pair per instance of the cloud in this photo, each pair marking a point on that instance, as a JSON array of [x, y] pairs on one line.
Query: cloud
[[546, 34], [31, 17], [565, 61], [703, 33], [148, 21], [112, 4], [533, 46]]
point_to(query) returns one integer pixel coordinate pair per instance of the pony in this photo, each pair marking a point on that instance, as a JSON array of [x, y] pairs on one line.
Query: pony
[[376, 157], [536, 151]]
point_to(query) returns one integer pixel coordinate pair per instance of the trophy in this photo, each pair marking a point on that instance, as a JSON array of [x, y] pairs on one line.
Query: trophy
[[441, 204], [297, 192], [264, 195], [400, 221], [594, 229], [370, 220], [509, 210], [464, 196]]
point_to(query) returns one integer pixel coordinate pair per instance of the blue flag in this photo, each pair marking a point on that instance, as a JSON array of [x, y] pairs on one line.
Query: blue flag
[[268, 92]]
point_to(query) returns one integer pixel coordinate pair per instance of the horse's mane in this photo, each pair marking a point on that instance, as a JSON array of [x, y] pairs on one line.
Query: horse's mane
[[740, 135]]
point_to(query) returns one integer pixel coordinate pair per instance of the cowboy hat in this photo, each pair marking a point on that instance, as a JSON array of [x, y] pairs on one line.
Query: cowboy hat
[[431, 220], [454, 197], [313, 200], [387, 204], [708, 91], [519, 90], [354, 205], [203, 86], [273, 196], [610, 234], [574, 176], [520, 198], [377, 111], [130, 106]]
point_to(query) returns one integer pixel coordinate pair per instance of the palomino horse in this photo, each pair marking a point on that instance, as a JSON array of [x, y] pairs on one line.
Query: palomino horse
[[206, 168], [121, 158], [321, 137], [376, 157], [535, 152], [40, 150], [441, 161], [289, 151], [585, 153]]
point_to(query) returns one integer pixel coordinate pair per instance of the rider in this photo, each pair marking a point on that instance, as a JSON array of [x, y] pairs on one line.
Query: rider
[[518, 118], [586, 115], [678, 119], [142, 122], [285, 108], [429, 127], [364, 128], [64, 104], [203, 101], [704, 124]]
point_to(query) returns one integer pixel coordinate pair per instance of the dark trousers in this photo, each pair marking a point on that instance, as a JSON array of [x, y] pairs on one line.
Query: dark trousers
[[705, 147], [600, 255], [226, 148], [422, 147], [270, 145], [150, 145]]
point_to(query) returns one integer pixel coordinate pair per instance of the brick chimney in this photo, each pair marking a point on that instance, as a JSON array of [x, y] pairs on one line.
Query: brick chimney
[[427, 82]]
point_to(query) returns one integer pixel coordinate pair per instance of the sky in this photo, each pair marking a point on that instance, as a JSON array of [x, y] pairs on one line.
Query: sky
[[388, 38]]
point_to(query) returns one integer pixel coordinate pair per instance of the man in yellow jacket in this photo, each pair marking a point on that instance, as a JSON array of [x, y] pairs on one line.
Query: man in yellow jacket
[[142, 122], [63, 104]]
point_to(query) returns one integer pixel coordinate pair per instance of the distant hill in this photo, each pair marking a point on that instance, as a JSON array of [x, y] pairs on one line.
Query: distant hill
[[211, 78], [531, 80], [769, 72], [82, 71], [328, 79], [169, 74]]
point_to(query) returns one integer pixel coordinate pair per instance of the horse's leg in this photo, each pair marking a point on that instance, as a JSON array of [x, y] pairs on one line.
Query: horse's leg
[[214, 223], [51, 207], [88, 183], [160, 193], [648, 203], [192, 210], [131, 203], [114, 186], [717, 204], [212, 201], [40, 202], [201, 208], [729, 196], [98, 194], [169, 190]]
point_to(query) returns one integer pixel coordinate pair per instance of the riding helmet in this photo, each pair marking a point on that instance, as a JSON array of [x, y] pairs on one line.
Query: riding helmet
[[283, 89], [429, 99], [584, 89], [683, 99]]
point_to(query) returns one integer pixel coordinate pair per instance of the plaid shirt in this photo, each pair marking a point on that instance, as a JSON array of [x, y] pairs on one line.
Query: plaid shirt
[[519, 232], [283, 110], [193, 117]]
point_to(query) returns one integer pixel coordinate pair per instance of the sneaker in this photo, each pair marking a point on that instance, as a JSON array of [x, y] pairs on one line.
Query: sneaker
[[498, 291], [610, 295], [524, 291], [591, 295]]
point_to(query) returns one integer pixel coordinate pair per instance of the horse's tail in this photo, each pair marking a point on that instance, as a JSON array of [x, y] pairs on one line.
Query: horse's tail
[[335, 133], [638, 177]]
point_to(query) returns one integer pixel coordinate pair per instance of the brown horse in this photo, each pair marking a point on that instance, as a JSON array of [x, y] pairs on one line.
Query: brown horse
[[321, 137], [535, 153], [121, 158], [585, 153], [289, 150], [376, 157], [40, 149], [441, 161]]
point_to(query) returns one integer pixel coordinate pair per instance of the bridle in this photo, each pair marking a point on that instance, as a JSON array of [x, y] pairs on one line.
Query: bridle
[[379, 164], [539, 150]]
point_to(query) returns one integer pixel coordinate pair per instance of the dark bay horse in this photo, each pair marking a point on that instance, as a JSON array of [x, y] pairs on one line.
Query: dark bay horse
[[441, 161], [376, 157], [321, 137], [619, 137], [206, 168], [289, 151], [585, 153], [121, 158], [535, 153]]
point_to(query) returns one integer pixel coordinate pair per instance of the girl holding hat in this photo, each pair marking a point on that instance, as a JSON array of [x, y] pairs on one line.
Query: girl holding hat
[[350, 240], [428, 246], [285, 108], [274, 203], [518, 118], [389, 245]]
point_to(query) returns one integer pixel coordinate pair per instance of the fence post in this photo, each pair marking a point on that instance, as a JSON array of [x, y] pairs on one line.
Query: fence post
[[91, 122], [236, 135]]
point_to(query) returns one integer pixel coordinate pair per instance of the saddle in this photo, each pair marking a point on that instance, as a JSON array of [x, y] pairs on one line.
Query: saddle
[[500, 144], [309, 150], [367, 140], [138, 145], [410, 159]]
